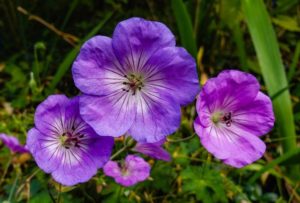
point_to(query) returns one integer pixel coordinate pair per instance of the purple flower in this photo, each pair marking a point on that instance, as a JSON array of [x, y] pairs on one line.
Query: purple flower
[[154, 150], [232, 114], [135, 82], [63, 144], [12, 143], [132, 171]]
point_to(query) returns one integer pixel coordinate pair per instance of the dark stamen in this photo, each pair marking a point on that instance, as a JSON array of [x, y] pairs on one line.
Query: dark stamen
[[227, 119]]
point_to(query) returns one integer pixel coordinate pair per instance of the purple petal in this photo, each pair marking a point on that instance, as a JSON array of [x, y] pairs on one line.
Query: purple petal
[[12, 143], [230, 90], [47, 114], [137, 36], [112, 169], [175, 73], [157, 116], [80, 165], [234, 148], [47, 155], [96, 69], [257, 118], [153, 150], [108, 115], [135, 170]]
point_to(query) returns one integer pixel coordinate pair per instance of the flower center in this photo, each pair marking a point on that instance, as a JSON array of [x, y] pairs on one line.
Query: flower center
[[133, 83], [69, 140], [222, 117], [124, 169]]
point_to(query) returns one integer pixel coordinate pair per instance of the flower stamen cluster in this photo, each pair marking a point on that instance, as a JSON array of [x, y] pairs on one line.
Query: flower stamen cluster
[[133, 83]]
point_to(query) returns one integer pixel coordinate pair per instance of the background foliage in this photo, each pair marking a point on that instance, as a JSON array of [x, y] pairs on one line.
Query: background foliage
[[40, 39]]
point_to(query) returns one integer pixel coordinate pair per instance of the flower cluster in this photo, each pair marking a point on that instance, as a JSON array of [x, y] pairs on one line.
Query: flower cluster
[[134, 84]]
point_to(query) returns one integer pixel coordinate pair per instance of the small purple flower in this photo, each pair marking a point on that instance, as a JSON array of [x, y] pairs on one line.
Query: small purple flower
[[12, 143], [63, 144], [135, 82], [154, 150], [132, 171], [232, 114]]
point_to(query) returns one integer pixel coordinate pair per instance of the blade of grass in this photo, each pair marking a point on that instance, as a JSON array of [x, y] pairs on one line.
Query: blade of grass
[[238, 38], [67, 62], [295, 61], [185, 27], [280, 160], [267, 49]]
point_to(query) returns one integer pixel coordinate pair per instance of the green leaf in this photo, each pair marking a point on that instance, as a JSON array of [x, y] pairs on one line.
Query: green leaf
[[280, 160], [266, 46], [287, 23], [185, 27], [205, 183]]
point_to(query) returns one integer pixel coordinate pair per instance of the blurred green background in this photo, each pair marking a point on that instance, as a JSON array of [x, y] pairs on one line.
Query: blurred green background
[[40, 39]]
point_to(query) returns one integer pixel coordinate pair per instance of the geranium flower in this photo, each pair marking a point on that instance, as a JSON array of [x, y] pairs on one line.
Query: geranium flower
[[132, 171], [232, 114], [154, 150], [63, 144], [12, 143], [135, 82]]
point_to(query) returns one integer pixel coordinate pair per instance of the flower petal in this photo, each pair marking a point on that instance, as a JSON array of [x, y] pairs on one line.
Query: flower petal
[[96, 70], [80, 164], [50, 113], [108, 115], [44, 150], [234, 148], [257, 118], [138, 168], [112, 169], [153, 150], [157, 116], [12, 143], [136, 37], [173, 70], [229, 91]]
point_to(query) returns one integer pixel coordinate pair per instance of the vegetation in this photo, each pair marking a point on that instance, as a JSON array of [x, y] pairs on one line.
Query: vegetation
[[39, 41]]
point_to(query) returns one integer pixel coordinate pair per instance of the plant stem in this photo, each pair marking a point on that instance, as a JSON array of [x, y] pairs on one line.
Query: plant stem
[[182, 139]]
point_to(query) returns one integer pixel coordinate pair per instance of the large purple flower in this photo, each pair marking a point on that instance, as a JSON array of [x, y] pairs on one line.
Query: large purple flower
[[132, 171], [13, 143], [135, 82], [63, 144], [232, 114]]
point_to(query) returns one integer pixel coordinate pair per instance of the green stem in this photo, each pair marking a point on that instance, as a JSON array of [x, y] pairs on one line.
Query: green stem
[[127, 145], [5, 170], [13, 188], [181, 139]]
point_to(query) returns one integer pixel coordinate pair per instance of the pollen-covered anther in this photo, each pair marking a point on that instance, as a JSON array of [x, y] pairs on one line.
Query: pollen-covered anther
[[133, 83], [71, 140]]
